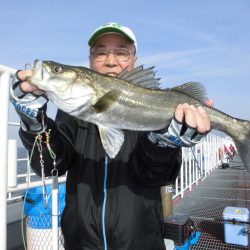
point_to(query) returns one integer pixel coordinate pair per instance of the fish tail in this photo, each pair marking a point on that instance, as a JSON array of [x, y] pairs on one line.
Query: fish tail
[[242, 143]]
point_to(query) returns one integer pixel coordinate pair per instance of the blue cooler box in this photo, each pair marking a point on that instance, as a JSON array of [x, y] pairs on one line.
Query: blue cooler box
[[236, 233]]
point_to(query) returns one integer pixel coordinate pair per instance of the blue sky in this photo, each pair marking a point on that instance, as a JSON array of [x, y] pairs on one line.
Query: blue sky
[[195, 40]]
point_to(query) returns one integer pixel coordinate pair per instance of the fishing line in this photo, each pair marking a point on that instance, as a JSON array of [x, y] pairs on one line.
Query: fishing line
[[245, 184], [27, 66], [26, 192], [197, 165], [46, 196]]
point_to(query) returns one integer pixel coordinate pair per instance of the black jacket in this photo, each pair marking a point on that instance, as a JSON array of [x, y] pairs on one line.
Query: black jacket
[[131, 207]]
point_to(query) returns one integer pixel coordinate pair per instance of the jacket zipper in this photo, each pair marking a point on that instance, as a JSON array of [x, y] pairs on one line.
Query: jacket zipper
[[104, 203]]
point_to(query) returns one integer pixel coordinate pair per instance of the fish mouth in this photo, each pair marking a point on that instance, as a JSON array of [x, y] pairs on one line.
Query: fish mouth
[[38, 71]]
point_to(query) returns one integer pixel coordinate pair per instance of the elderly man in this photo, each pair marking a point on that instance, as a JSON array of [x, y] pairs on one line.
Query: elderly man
[[110, 203]]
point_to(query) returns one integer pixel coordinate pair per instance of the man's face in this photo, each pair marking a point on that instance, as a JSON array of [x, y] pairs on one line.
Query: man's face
[[112, 65]]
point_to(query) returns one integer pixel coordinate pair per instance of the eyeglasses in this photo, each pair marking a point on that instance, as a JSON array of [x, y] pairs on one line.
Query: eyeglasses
[[120, 54]]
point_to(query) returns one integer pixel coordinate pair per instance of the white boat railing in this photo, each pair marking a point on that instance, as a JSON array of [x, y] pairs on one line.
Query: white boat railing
[[197, 162], [4, 98]]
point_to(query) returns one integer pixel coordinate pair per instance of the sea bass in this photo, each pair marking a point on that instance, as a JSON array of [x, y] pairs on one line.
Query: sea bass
[[132, 101]]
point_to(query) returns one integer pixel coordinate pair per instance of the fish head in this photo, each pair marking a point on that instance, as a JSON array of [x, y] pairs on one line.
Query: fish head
[[52, 76], [67, 86]]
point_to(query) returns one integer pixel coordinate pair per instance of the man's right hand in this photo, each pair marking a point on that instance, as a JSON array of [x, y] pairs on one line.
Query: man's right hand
[[30, 103], [25, 84]]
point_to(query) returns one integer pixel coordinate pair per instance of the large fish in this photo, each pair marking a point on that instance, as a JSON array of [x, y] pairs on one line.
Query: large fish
[[132, 100]]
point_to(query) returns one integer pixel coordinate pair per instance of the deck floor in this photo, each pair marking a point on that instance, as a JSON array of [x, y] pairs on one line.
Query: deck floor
[[228, 187]]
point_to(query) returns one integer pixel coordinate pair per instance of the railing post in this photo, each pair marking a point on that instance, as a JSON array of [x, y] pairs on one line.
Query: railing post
[[12, 163], [4, 97], [181, 176], [190, 173]]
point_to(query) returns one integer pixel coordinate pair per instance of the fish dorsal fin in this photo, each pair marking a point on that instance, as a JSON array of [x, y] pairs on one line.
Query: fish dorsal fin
[[193, 89], [112, 140], [141, 77], [106, 101]]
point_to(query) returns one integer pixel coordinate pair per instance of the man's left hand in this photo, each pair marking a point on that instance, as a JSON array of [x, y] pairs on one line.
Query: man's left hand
[[188, 127]]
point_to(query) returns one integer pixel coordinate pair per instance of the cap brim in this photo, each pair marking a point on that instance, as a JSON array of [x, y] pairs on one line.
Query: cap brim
[[107, 30]]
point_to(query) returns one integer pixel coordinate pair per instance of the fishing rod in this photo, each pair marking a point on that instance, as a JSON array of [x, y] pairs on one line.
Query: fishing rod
[[196, 163]]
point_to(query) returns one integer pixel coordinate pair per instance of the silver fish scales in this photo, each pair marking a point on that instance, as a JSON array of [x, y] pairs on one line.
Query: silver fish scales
[[132, 100]]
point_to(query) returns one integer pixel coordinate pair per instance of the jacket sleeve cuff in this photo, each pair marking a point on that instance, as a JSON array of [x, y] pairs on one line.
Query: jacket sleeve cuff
[[150, 146], [29, 136]]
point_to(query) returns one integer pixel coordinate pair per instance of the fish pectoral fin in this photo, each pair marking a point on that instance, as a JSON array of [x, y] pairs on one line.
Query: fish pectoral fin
[[112, 140], [106, 101]]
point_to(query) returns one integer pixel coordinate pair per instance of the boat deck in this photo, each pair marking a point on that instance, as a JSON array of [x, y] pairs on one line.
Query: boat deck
[[228, 187]]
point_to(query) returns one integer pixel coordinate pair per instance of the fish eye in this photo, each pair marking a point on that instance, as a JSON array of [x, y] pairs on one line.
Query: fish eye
[[57, 69]]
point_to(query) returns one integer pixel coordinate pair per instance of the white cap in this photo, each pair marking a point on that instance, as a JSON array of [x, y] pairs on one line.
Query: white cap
[[112, 28]]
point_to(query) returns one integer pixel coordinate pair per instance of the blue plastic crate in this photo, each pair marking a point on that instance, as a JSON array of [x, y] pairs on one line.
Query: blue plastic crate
[[39, 213]]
